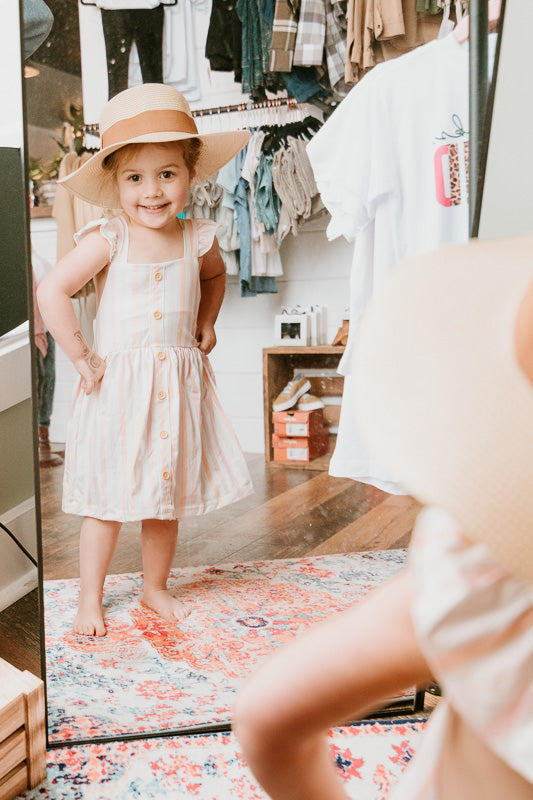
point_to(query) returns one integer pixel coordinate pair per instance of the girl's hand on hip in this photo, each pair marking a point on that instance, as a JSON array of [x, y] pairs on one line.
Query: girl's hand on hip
[[206, 337], [91, 368]]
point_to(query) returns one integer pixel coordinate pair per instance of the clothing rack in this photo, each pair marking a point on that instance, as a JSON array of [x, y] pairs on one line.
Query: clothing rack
[[271, 103], [275, 102]]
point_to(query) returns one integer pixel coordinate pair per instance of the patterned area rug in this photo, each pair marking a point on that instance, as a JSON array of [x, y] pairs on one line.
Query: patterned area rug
[[149, 675], [370, 758]]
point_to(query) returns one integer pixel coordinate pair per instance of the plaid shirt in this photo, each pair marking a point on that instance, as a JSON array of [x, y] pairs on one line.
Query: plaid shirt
[[283, 35], [311, 36], [336, 42]]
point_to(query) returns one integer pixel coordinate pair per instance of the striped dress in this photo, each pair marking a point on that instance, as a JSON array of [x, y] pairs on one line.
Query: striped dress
[[474, 621], [152, 441]]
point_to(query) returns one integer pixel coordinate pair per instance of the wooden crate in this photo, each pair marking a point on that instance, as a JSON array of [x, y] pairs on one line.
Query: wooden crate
[[279, 364], [22, 731]]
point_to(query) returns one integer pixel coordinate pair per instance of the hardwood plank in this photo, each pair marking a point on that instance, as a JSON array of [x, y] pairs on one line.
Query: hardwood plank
[[387, 526], [20, 634], [273, 520]]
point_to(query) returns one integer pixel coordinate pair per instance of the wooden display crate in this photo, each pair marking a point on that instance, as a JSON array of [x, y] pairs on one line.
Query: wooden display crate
[[279, 364], [22, 731]]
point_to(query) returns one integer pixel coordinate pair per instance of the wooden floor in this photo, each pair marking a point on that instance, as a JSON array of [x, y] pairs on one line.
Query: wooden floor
[[292, 513]]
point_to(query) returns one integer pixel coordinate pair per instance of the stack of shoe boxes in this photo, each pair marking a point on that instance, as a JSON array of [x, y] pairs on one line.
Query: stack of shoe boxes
[[298, 419]]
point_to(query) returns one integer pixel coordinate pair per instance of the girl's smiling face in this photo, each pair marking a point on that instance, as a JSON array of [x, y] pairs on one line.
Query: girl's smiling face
[[153, 181]]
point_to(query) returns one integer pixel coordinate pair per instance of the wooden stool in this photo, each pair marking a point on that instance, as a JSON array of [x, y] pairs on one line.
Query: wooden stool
[[22, 731]]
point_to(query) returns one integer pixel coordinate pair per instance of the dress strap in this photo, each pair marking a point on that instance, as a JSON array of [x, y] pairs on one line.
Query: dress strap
[[189, 238]]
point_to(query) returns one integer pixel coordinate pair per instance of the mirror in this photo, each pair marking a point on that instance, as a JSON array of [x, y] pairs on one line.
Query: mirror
[[105, 687], [20, 617], [143, 679]]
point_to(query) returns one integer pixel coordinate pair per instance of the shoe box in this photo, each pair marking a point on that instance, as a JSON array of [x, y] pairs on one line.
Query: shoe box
[[296, 422], [299, 435], [300, 448]]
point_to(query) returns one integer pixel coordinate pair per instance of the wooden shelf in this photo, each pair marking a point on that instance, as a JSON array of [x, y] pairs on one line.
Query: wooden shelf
[[279, 364]]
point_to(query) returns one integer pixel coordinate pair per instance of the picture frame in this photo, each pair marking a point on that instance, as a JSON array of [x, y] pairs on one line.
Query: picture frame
[[291, 330]]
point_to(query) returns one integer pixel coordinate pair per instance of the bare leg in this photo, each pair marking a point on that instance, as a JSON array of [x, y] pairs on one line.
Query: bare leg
[[333, 673], [97, 544], [159, 539]]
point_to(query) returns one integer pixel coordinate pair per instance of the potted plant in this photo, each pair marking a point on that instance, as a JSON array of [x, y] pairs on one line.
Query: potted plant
[[44, 177]]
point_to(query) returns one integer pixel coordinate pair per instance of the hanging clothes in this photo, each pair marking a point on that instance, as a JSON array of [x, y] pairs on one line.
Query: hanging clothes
[[250, 285], [284, 29], [121, 29], [296, 186], [266, 261], [158, 46], [69, 211], [180, 58], [311, 34], [391, 164], [378, 32], [207, 202], [223, 47], [256, 35], [335, 45]]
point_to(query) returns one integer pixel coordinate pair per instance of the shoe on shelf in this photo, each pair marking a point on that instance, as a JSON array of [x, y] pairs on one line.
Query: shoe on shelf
[[308, 402], [291, 393], [341, 337]]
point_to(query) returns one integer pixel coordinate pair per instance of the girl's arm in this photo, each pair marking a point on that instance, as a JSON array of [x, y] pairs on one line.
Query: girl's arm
[[335, 672], [212, 288], [54, 297]]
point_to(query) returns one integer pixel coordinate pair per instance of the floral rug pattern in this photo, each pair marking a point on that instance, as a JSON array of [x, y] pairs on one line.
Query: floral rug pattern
[[149, 675], [370, 758]]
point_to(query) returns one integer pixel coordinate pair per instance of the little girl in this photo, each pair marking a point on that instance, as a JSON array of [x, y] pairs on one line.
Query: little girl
[[148, 439]]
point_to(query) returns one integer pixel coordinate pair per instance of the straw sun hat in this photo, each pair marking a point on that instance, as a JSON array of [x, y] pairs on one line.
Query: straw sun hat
[[442, 398], [150, 112]]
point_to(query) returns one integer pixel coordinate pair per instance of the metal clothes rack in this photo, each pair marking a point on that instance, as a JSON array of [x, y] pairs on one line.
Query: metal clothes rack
[[275, 102], [481, 98], [271, 103], [478, 94]]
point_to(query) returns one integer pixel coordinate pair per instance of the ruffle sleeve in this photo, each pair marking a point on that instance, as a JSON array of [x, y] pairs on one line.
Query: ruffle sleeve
[[110, 229], [205, 234]]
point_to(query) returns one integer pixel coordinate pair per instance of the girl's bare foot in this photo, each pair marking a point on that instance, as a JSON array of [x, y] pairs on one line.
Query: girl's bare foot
[[164, 604], [89, 621]]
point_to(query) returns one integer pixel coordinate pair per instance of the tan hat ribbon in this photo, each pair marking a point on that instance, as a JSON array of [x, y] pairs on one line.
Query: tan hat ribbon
[[147, 122]]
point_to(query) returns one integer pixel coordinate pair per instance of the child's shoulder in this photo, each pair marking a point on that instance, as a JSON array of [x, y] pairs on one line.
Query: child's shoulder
[[111, 229], [205, 230]]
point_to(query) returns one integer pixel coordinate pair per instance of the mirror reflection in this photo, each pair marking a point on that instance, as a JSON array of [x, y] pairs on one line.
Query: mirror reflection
[[148, 674]]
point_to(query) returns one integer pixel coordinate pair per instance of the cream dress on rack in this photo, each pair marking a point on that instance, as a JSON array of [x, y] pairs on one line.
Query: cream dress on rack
[[152, 441]]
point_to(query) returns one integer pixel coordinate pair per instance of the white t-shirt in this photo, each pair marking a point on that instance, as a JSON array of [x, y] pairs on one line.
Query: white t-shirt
[[391, 165]]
